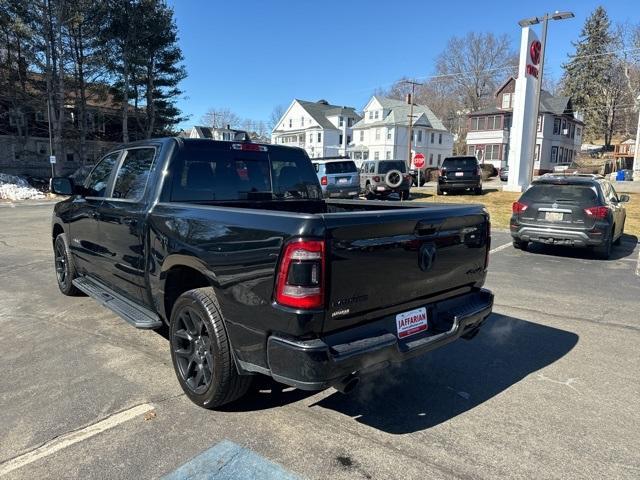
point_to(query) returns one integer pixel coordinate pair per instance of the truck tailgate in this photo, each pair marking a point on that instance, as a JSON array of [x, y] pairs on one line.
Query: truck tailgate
[[383, 259]]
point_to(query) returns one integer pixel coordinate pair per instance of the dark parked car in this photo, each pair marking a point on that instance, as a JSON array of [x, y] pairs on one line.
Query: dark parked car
[[232, 246], [338, 178], [504, 174], [575, 210], [460, 173], [379, 178]]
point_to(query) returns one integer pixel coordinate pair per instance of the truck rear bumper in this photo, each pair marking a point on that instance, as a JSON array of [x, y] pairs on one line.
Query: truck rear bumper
[[319, 363]]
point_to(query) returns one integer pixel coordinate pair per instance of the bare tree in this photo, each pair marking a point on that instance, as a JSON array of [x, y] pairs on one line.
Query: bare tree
[[276, 115], [473, 67], [220, 118]]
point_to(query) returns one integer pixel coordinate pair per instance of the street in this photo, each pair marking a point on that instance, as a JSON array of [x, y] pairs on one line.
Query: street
[[548, 389]]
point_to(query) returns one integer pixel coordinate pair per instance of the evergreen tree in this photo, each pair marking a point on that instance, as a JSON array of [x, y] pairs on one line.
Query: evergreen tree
[[592, 77]]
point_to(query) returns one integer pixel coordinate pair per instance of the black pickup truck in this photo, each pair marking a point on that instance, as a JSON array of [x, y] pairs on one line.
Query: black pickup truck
[[232, 248]]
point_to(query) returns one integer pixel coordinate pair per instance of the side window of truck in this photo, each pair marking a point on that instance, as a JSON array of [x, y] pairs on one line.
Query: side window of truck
[[96, 183], [133, 173]]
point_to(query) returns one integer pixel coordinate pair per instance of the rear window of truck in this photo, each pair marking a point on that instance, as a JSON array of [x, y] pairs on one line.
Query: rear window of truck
[[333, 168], [550, 193], [213, 174]]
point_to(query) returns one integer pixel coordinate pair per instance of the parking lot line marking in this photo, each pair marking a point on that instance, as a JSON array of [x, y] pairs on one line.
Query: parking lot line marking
[[638, 264], [501, 247], [227, 460], [70, 438]]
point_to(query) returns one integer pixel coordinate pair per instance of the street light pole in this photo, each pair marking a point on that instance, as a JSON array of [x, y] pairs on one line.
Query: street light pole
[[413, 86]]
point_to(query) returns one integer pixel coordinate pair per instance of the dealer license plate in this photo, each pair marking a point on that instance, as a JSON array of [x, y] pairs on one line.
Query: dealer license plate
[[553, 216], [459, 174], [411, 322]]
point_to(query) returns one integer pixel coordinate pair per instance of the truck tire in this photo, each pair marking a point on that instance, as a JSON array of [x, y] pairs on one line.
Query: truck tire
[[619, 239], [368, 192], [65, 268], [604, 251], [201, 351], [520, 244]]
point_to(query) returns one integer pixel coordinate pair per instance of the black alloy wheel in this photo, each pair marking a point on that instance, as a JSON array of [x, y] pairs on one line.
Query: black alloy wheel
[[192, 348], [65, 268]]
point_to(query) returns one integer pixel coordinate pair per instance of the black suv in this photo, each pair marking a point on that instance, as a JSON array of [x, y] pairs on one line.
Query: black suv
[[460, 173], [574, 210]]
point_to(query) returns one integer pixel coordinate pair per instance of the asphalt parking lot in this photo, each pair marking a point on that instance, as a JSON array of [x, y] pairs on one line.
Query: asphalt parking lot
[[548, 389]]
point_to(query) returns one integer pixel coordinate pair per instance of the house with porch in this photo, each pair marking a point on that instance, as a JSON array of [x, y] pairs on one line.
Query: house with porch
[[322, 129], [559, 133], [383, 133]]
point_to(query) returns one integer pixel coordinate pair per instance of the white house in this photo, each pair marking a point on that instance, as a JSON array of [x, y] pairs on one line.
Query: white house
[[323, 130], [559, 130], [213, 133], [383, 133]]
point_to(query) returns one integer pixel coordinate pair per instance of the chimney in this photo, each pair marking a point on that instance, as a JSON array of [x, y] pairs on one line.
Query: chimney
[[228, 127], [408, 99]]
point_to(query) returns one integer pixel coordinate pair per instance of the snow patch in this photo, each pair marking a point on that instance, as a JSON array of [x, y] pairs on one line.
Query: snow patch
[[13, 187]]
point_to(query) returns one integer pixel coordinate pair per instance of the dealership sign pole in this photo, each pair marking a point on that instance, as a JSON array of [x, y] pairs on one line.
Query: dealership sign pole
[[524, 132]]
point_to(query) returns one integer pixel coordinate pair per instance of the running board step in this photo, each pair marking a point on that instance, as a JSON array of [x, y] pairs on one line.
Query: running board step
[[136, 315]]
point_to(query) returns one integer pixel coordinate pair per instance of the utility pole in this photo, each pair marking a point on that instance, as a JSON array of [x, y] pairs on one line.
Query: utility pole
[[636, 153], [53, 173], [413, 87]]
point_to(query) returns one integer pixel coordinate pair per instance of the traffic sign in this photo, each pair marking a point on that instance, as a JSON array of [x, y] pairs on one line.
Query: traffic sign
[[418, 160]]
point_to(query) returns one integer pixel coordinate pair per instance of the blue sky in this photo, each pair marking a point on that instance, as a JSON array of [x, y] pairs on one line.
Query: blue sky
[[252, 55]]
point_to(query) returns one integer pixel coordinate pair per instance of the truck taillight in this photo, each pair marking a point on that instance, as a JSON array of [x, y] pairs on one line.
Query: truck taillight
[[519, 207], [376, 178], [597, 212], [323, 181], [442, 172], [300, 279]]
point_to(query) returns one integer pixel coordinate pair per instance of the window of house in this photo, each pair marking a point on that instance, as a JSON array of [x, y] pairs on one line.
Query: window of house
[[440, 138], [471, 150], [536, 154], [319, 137], [554, 154], [341, 121], [389, 130], [388, 155], [69, 157], [578, 132], [290, 123], [348, 139], [506, 100], [507, 122], [362, 135], [311, 138], [493, 122], [371, 115], [39, 116], [133, 173], [564, 126], [419, 135], [492, 152], [431, 159], [16, 118], [539, 123], [340, 139], [349, 122], [433, 137], [376, 114], [439, 159], [556, 126], [377, 134], [376, 156], [573, 131], [302, 121]]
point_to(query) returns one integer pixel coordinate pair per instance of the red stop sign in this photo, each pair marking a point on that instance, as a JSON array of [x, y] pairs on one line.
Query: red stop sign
[[418, 160]]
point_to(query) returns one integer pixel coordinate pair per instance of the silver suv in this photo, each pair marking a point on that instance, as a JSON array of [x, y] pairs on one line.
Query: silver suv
[[338, 178], [379, 178]]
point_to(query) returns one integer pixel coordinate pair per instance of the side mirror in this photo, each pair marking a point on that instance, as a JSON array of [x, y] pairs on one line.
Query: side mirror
[[61, 186], [624, 198]]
